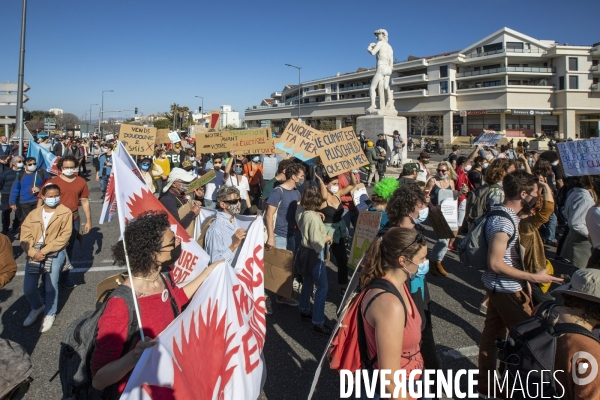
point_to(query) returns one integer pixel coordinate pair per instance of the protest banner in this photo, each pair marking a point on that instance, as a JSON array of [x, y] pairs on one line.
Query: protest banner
[[440, 226], [201, 181], [488, 139], [580, 157], [246, 141], [298, 140], [139, 140], [269, 168], [340, 151], [162, 136], [360, 196], [366, 230]]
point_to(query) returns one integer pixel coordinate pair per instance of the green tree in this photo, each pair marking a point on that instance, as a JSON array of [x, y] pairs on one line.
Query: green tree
[[327, 125], [162, 123]]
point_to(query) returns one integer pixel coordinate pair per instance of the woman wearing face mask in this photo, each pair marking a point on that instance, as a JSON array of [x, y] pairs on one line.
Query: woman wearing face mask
[[150, 172], [310, 258], [45, 234], [238, 180], [333, 210], [393, 326], [441, 186], [151, 247]]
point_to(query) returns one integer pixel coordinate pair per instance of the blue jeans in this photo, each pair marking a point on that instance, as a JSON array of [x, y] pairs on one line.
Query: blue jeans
[[286, 242], [103, 184], [210, 204], [318, 277], [30, 286], [64, 276], [350, 216], [439, 250], [550, 235]]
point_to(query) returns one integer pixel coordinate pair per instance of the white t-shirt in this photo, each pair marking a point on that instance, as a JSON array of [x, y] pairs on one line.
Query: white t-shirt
[[46, 217], [592, 220], [213, 186], [243, 186]]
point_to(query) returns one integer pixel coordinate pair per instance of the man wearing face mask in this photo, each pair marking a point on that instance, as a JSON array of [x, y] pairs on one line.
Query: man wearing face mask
[[423, 174], [5, 152], [26, 188], [224, 236], [7, 179], [212, 187], [173, 197], [104, 167]]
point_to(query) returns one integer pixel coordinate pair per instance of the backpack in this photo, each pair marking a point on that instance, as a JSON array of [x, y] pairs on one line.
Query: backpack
[[530, 348], [477, 203], [473, 248], [348, 348], [78, 345], [16, 370]]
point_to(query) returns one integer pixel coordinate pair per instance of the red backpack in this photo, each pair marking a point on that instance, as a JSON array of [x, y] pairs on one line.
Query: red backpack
[[348, 349]]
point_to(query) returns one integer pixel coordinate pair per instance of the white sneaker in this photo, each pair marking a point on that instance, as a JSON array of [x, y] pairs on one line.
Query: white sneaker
[[47, 323], [297, 285], [289, 302], [33, 316]]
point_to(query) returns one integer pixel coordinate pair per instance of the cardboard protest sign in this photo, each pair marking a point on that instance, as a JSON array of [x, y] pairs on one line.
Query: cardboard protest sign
[[580, 157], [440, 226], [360, 196], [279, 271], [488, 139], [366, 230], [246, 141], [340, 151], [269, 168], [162, 136], [298, 139], [139, 140], [201, 181]]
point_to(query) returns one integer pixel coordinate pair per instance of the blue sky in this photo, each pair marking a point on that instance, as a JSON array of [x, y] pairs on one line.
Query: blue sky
[[154, 53]]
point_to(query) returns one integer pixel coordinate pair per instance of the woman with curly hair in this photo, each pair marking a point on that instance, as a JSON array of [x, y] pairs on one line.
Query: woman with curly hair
[[151, 246], [393, 326], [441, 186], [382, 193]]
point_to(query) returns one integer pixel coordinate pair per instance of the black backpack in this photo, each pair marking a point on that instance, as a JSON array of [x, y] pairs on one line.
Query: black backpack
[[531, 346], [78, 344]]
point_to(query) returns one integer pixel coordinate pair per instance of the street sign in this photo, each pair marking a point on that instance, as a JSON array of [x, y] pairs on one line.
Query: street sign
[[9, 111], [49, 121], [11, 98], [12, 87], [48, 127], [6, 121]]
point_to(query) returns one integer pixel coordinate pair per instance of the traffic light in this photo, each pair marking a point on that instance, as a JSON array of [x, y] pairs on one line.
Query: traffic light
[[136, 110], [199, 109]]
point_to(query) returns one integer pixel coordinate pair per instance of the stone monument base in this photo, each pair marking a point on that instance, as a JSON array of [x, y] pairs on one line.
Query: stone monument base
[[373, 125]]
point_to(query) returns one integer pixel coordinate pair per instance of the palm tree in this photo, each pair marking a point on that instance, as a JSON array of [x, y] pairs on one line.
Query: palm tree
[[184, 115], [174, 110]]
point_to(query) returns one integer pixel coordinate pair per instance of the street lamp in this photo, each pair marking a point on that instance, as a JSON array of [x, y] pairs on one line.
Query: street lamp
[[299, 88], [20, 82], [102, 112], [91, 112]]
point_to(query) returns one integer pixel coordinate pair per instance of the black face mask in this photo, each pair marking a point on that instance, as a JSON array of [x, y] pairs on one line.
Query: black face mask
[[175, 253]]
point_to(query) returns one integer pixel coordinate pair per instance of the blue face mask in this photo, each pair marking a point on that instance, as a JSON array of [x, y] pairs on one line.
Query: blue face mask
[[52, 202], [192, 158], [237, 170], [422, 216], [423, 269], [145, 167], [256, 159]]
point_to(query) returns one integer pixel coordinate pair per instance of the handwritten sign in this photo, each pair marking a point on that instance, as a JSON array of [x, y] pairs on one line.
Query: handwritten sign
[[138, 140], [366, 230], [360, 197], [174, 137], [488, 139], [245, 141], [340, 151], [580, 157], [298, 139], [203, 180], [450, 213], [162, 136], [440, 226]]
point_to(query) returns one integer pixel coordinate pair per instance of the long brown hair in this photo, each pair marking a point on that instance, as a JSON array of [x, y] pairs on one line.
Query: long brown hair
[[384, 252]]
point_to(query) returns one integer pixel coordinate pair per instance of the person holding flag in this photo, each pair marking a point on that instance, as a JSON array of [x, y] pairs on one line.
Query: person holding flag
[[26, 187]]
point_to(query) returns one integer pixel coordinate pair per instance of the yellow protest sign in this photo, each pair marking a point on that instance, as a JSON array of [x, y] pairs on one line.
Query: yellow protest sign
[[340, 151], [138, 140]]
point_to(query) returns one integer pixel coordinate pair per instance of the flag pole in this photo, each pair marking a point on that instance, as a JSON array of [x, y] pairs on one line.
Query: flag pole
[[131, 280]]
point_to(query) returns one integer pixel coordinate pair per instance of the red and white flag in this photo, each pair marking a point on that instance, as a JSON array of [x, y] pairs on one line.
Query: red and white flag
[[213, 349]]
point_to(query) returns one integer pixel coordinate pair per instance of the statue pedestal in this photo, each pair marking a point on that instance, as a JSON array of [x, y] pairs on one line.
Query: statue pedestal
[[373, 125]]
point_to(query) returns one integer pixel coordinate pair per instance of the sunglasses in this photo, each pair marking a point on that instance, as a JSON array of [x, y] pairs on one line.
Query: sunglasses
[[234, 201], [419, 238], [30, 164], [442, 170], [172, 243]]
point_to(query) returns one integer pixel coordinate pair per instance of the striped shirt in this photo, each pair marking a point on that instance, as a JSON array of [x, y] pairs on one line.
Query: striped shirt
[[219, 237], [497, 223]]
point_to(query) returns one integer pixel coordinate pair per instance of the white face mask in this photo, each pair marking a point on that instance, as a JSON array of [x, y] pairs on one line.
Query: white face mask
[[334, 189], [20, 165], [555, 163], [31, 168], [468, 168], [68, 171]]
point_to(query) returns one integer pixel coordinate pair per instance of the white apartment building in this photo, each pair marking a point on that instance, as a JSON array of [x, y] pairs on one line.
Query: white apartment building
[[507, 82], [228, 117], [56, 111]]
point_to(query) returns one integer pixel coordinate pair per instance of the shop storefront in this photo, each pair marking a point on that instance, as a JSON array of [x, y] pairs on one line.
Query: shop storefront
[[480, 120], [589, 126]]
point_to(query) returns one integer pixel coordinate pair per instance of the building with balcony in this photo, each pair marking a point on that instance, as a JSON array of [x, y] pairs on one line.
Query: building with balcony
[[508, 82]]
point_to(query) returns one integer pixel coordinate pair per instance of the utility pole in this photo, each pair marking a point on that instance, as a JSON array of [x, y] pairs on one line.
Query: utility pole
[[299, 88], [102, 112]]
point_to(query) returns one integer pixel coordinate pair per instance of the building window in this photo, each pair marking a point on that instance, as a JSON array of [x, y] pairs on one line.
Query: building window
[[572, 63], [334, 86], [453, 87], [353, 96], [444, 87], [362, 95], [334, 97], [444, 71], [492, 47], [514, 45], [594, 80], [573, 82], [561, 83]]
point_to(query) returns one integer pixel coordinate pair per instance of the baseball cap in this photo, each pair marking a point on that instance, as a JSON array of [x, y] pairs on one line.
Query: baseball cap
[[585, 284], [408, 168]]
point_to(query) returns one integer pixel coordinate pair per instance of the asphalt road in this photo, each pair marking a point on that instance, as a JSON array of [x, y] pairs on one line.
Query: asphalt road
[[292, 348]]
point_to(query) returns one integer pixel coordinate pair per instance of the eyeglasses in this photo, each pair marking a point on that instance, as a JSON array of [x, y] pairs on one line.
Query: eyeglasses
[[233, 201], [419, 238], [173, 243]]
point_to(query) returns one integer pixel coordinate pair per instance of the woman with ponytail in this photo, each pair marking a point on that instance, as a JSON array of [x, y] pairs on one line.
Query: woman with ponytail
[[392, 325]]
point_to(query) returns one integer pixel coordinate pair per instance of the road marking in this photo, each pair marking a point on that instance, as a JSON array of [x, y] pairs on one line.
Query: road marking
[[80, 270], [463, 352]]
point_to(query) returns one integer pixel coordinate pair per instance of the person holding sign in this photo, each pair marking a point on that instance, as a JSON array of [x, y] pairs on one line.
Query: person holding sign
[[164, 163], [441, 186], [333, 210], [173, 197], [238, 180]]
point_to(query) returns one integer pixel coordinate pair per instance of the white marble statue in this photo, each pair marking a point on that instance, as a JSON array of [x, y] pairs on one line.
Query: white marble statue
[[381, 81]]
